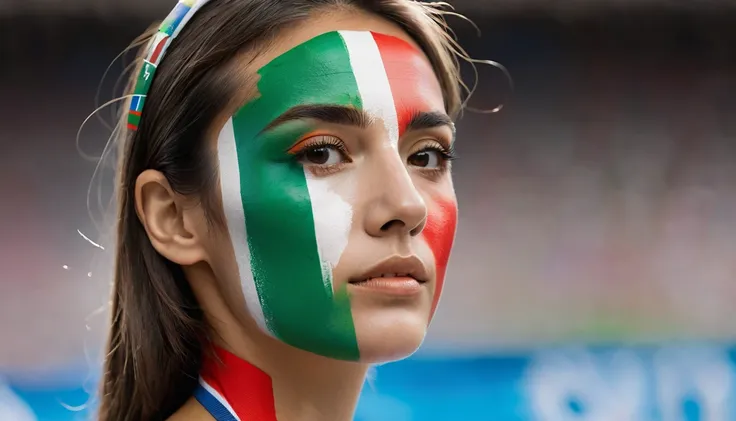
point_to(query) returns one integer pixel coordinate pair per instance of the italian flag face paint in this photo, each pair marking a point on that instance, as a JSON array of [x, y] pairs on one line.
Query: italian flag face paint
[[288, 227], [439, 232]]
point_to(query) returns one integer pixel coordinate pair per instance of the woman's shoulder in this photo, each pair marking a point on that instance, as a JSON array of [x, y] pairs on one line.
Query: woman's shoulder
[[191, 411]]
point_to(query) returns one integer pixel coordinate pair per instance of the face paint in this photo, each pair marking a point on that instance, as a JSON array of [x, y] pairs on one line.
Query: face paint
[[288, 227], [405, 70], [223, 393], [439, 232]]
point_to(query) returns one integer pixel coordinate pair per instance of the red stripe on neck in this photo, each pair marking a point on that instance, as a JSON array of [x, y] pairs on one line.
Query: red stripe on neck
[[246, 388]]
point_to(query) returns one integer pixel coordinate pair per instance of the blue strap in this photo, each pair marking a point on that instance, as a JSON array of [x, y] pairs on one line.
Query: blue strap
[[212, 405]]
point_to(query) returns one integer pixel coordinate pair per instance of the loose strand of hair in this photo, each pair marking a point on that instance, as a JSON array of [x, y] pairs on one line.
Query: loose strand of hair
[[97, 172], [437, 11], [136, 43]]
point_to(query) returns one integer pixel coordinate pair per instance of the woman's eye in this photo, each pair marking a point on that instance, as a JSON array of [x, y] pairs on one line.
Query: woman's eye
[[323, 155], [429, 158]]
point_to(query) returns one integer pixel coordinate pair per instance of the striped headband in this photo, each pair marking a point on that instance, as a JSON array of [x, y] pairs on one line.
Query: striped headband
[[169, 29]]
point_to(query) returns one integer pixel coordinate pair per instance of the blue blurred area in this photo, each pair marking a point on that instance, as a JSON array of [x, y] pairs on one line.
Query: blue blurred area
[[674, 383]]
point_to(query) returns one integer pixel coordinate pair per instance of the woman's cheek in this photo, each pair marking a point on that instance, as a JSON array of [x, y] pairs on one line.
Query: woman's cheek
[[440, 235]]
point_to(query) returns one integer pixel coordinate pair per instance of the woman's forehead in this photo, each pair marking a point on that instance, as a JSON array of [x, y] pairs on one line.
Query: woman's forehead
[[381, 75], [329, 20]]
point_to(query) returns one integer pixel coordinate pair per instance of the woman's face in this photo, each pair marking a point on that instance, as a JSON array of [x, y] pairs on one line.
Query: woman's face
[[336, 188]]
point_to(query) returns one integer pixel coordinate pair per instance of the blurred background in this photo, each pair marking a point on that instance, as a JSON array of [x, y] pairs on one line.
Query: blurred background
[[594, 273]]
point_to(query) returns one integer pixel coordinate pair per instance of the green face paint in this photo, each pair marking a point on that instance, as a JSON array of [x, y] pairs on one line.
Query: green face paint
[[288, 227], [279, 244]]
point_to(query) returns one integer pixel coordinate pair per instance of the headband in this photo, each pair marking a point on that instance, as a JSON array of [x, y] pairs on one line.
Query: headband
[[169, 29]]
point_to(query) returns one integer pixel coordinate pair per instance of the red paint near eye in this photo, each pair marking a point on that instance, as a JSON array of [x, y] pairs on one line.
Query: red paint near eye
[[440, 234], [413, 83]]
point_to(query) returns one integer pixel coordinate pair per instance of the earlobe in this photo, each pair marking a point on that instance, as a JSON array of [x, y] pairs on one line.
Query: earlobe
[[162, 215]]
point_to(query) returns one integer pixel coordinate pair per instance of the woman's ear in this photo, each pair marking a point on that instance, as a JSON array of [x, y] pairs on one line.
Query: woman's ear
[[171, 226]]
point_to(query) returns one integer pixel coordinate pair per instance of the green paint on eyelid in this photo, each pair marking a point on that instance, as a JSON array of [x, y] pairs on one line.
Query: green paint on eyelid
[[297, 302]]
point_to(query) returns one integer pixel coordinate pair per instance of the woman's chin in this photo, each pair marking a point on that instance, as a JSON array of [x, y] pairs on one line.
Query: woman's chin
[[389, 334]]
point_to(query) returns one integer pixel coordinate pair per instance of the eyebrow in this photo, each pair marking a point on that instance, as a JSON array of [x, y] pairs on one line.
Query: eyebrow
[[428, 120], [335, 114], [350, 116]]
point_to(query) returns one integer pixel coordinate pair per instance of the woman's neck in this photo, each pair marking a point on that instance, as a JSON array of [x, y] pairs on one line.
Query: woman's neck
[[309, 387], [306, 387]]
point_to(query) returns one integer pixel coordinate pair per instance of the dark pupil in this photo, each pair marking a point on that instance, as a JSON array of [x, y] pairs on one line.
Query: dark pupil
[[420, 159], [318, 155]]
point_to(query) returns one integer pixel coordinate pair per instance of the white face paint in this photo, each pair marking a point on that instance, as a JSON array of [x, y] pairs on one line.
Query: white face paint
[[333, 218], [372, 80]]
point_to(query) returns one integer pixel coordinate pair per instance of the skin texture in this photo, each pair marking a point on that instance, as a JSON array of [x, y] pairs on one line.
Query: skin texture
[[398, 209]]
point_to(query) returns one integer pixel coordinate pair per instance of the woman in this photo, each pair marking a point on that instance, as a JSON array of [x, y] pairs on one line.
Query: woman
[[286, 210]]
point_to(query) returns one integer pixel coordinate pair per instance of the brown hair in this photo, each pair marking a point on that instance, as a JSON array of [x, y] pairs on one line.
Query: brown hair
[[157, 329]]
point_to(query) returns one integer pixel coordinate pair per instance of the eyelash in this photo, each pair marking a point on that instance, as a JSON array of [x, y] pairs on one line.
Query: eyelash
[[320, 141], [317, 140], [446, 154]]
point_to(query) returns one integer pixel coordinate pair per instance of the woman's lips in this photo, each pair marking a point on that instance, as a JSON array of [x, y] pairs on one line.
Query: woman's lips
[[390, 284]]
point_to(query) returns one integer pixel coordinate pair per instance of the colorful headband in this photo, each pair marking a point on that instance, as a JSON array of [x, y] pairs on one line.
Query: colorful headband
[[169, 29]]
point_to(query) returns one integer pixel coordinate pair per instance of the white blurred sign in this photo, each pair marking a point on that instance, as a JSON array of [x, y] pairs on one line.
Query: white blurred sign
[[671, 384], [12, 407]]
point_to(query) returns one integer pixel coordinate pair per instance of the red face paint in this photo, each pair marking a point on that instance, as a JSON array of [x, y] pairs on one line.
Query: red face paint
[[414, 85], [415, 88], [440, 235]]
